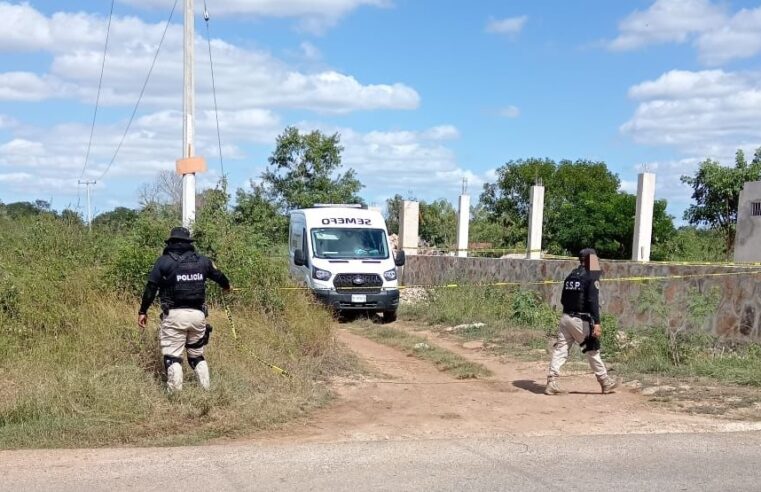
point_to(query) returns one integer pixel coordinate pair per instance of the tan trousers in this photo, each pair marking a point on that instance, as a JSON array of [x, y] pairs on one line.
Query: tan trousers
[[574, 330], [180, 327]]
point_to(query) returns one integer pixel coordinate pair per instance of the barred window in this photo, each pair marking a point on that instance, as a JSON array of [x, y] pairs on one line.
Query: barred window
[[756, 209]]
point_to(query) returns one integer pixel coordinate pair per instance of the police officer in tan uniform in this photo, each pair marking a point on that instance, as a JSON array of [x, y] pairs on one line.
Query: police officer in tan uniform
[[580, 323], [179, 276]]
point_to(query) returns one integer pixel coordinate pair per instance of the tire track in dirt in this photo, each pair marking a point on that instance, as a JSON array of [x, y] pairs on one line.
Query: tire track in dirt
[[414, 400]]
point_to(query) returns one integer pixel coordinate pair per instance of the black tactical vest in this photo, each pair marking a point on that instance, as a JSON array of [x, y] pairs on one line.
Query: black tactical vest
[[186, 284], [573, 297]]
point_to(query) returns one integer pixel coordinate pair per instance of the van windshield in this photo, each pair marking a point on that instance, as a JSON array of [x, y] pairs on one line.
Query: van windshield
[[343, 243]]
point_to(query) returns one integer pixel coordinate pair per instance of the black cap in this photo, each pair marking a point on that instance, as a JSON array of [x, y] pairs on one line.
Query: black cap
[[179, 234], [584, 253]]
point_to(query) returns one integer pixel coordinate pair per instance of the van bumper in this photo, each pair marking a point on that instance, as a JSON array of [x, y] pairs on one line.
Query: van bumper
[[387, 300]]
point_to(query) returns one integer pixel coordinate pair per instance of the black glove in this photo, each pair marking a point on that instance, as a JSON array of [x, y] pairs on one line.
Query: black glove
[[590, 343]]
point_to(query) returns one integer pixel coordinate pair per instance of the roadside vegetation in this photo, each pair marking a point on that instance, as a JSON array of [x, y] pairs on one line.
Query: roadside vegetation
[[519, 323], [75, 370]]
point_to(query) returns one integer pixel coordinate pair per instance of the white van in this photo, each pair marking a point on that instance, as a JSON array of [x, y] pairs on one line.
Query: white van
[[342, 253]]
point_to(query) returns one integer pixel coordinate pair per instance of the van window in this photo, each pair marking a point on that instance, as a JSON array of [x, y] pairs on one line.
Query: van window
[[296, 234], [350, 243]]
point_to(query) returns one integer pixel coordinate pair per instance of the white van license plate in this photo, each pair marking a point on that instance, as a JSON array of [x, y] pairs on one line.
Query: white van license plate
[[358, 298]]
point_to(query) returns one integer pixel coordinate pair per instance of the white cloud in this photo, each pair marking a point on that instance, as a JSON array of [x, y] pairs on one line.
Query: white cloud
[[29, 87], [15, 177], [49, 160], [314, 15], [512, 26], [682, 84], [718, 36], [706, 114], [667, 21], [245, 77], [400, 162], [740, 37], [628, 186], [510, 112], [442, 132]]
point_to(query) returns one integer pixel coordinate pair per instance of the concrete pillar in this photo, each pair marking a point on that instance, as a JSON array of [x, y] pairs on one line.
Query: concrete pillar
[[643, 222], [409, 224], [748, 232], [463, 223], [535, 220]]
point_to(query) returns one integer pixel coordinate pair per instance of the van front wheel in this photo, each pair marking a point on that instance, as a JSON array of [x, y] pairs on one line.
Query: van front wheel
[[389, 316]]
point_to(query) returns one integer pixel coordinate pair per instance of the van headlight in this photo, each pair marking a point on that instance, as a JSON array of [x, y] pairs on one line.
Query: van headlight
[[390, 275], [320, 274]]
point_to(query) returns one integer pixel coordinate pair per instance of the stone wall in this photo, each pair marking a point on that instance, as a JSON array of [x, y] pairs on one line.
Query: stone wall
[[738, 314]]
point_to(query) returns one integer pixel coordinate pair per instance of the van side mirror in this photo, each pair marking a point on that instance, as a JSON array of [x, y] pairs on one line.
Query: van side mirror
[[298, 258], [400, 258]]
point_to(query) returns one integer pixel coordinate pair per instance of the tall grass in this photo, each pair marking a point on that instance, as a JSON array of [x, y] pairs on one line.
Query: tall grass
[[517, 321], [75, 370]]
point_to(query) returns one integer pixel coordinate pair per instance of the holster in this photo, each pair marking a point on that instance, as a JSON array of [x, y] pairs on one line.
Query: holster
[[591, 342], [204, 340]]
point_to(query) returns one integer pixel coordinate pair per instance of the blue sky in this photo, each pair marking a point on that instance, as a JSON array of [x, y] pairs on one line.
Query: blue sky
[[423, 93]]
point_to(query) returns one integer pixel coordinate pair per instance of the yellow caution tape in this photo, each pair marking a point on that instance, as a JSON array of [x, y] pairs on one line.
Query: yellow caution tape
[[274, 368], [516, 283]]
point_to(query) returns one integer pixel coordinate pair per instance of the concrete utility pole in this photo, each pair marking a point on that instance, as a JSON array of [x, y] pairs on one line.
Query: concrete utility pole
[[89, 203], [188, 123], [190, 164]]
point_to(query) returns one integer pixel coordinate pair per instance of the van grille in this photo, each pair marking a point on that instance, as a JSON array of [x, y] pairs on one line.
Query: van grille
[[358, 283]]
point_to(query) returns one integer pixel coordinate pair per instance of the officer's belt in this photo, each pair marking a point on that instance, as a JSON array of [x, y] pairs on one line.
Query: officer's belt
[[583, 316]]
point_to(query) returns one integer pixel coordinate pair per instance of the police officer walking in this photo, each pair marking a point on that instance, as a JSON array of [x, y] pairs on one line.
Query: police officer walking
[[179, 276], [580, 322]]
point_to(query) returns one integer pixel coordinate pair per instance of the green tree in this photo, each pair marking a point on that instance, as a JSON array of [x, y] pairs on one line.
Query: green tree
[[691, 244], [18, 210], [119, 219], [303, 170], [716, 192], [393, 211], [438, 223], [71, 217], [607, 224], [582, 207], [255, 209]]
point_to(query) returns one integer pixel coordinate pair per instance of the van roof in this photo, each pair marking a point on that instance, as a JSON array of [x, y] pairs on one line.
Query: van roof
[[316, 215]]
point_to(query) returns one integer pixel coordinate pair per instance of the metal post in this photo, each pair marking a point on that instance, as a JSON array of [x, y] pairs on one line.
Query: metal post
[[89, 203], [188, 180]]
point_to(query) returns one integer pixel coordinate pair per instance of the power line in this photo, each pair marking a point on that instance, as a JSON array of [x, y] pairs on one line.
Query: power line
[[206, 18], [100, 86], [142, 92]]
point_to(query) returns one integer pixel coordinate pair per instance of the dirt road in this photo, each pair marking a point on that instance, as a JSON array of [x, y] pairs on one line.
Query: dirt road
[[411, 427], [410, 399]]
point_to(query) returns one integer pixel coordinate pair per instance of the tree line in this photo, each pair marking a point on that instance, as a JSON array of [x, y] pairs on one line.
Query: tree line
[[584, 205]]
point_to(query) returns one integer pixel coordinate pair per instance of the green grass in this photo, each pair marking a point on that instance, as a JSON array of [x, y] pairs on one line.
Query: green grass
[[76, 371], [419, 347], [518, 323], [515, 322]]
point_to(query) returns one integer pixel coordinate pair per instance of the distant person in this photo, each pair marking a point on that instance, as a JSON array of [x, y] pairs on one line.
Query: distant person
[[180, 275], [580, 323]]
